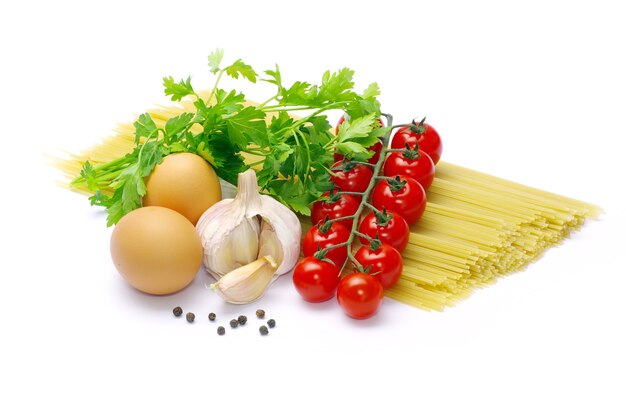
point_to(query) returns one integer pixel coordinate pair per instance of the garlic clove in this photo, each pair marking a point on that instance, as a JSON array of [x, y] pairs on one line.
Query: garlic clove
[[288, 231], [269, 243], [246, 283], [238, 247]]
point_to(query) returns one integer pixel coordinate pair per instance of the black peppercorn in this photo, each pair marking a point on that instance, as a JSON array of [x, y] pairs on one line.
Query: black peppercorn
[[263, 330], [234, 323], [242, 319], [178, 311], [260, 313], [221, 330], [211, 316], [271, 323], [190, 317]]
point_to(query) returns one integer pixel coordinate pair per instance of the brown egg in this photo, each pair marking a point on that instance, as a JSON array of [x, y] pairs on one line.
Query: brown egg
[[184, 182], [156, 250]]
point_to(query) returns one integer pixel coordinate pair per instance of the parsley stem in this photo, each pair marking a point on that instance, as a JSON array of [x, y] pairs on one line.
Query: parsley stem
[[217, 81], [263, 105], [276, 108], [254, 164], [145, 142], [256, 151], [308, 155], [356, 193]]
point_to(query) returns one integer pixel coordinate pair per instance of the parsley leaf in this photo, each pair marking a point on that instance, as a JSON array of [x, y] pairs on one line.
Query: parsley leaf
[[276, 78], [215, 59], [177, 90], [89, 175], [240, 68], [371, 91], [247, 126], [355, 136], [177, 124], [152, 154], [144, 127]]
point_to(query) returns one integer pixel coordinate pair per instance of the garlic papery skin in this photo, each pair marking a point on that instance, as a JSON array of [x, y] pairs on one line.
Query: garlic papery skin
[[237, 232]]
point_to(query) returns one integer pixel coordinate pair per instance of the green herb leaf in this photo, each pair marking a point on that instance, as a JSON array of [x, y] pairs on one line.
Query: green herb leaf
[[215, 59], [89, 175], [248, 126], [177, 90], [275, 77], [371, 91], [240, 68], [151, 155], [349, 130], [206, 153], [144, 127], [220, 152], [129, 189], [175, 125], [293, 194], [338, 85]]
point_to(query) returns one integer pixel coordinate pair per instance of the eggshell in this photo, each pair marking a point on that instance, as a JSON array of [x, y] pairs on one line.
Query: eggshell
[[185, 183], [156, 249]]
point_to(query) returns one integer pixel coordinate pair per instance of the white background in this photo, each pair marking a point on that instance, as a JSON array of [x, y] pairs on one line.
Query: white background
[[533, 91]]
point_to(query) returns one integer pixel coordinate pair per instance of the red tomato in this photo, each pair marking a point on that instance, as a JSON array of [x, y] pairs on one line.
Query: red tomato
[[377, 148], [428, 141], [345, 206], [393, 230], [315, 280], [386, 263], [421, 168], [337, 234], [408, 200], [356, 179], [360, 295]]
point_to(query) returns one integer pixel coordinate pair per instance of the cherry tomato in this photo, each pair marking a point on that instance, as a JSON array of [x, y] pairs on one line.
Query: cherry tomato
[[360, 295], [421, 168], [392, 230], [315, 280], [429, 141], [335, 235], [386, 263], [377, 148], [336, 206], [356, 179], [408, 199]]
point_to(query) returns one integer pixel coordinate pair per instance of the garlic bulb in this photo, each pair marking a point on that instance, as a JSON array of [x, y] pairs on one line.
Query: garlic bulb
[[245, 239]]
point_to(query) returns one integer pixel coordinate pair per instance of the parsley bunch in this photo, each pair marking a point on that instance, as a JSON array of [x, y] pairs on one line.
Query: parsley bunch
[[292, 155]]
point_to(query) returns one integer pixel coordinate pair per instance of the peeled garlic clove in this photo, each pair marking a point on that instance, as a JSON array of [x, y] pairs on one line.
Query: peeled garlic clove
[[247, 283], [239, 247], [269, 243], [287, 228]]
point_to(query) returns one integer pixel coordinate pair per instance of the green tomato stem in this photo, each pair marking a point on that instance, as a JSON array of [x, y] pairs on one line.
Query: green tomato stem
[[364, 202]]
